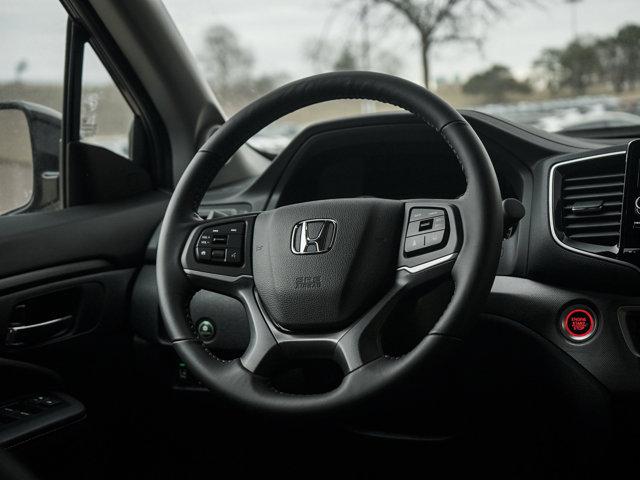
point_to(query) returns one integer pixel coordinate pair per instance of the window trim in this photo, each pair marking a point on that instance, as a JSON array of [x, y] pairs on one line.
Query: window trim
[[76, 38], [158, 163]]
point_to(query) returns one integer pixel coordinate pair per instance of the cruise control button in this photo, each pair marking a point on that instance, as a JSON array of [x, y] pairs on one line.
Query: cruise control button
[[438, 223], [421, 226], [433, 239], [423, 213], [203, 254], [427, 225], [412, 244]]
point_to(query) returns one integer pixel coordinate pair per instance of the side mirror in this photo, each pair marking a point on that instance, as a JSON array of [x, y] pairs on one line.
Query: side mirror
[[29, 150]]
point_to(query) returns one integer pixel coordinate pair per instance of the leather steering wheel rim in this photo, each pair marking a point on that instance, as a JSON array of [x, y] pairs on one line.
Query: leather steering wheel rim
[[473, 269]]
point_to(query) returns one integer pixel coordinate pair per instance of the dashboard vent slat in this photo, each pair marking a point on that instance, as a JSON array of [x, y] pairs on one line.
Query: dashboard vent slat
[[595, 225], [619, 176], [609, 237], [594, 216], [591, 200], [593, 186]]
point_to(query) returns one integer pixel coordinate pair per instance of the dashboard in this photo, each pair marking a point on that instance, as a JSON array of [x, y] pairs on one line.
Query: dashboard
[[402, 162], [565, 267]]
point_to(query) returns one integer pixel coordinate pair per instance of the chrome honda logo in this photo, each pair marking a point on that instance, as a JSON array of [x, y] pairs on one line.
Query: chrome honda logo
[[313, 236]]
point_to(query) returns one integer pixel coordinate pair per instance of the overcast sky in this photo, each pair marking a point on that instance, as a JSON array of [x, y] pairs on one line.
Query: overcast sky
[[276, 30]]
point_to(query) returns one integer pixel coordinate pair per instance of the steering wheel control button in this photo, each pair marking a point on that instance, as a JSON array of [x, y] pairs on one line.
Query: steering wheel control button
[[428, 225], [415, 243], [439, 223], [423, 213], [578, 323], [234, 255], [205, 240], [206, 330], [235, 241], [433, 239], [217, 254], [203, 254], [228, 228]]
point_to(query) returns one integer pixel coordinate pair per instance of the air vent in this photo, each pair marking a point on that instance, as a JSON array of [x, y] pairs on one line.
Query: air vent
[[591, 199]]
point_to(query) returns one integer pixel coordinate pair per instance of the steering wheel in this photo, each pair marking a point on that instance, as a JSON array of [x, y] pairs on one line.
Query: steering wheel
[[319, 279]]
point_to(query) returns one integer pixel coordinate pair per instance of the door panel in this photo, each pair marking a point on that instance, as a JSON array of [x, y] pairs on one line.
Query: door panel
[[65, 276], [117, 232], [74, 268]]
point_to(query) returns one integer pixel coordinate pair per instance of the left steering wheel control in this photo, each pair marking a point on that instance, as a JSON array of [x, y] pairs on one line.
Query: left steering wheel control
[[221, 244], [220, 249]]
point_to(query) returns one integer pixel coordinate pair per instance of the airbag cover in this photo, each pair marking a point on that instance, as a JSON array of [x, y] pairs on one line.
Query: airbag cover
[[325, 291]]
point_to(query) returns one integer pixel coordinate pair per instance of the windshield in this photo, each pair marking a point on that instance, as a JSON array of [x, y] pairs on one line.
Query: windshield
[[562, 66]]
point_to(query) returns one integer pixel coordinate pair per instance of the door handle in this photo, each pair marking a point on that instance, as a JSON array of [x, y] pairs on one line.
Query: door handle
[[37, 332]]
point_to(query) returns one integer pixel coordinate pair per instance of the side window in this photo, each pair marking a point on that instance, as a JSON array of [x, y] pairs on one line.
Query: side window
[[31, 95], [32, 104], [105, 116]]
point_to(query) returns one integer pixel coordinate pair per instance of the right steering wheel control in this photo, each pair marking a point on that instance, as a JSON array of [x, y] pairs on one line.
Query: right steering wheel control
[[426, 230], [578, 323]]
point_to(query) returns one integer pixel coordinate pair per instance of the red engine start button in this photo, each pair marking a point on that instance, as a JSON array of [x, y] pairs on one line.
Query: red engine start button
[[578, 323]]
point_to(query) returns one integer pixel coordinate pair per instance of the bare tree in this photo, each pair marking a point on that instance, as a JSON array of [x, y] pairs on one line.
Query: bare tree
[[445, 21], [225, 59], [229, 69]]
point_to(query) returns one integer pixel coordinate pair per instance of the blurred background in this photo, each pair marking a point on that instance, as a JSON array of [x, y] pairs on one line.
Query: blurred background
[[558, 65]]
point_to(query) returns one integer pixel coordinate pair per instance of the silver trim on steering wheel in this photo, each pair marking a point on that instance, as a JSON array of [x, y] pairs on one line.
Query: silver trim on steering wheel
[[432, 263]]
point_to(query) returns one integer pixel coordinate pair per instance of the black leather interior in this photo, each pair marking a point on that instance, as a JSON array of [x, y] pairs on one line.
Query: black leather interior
[[365, 360]]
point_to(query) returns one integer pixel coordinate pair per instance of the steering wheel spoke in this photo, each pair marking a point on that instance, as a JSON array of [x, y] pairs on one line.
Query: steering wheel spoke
[[430, 241], [350, 347], [360, 343]]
